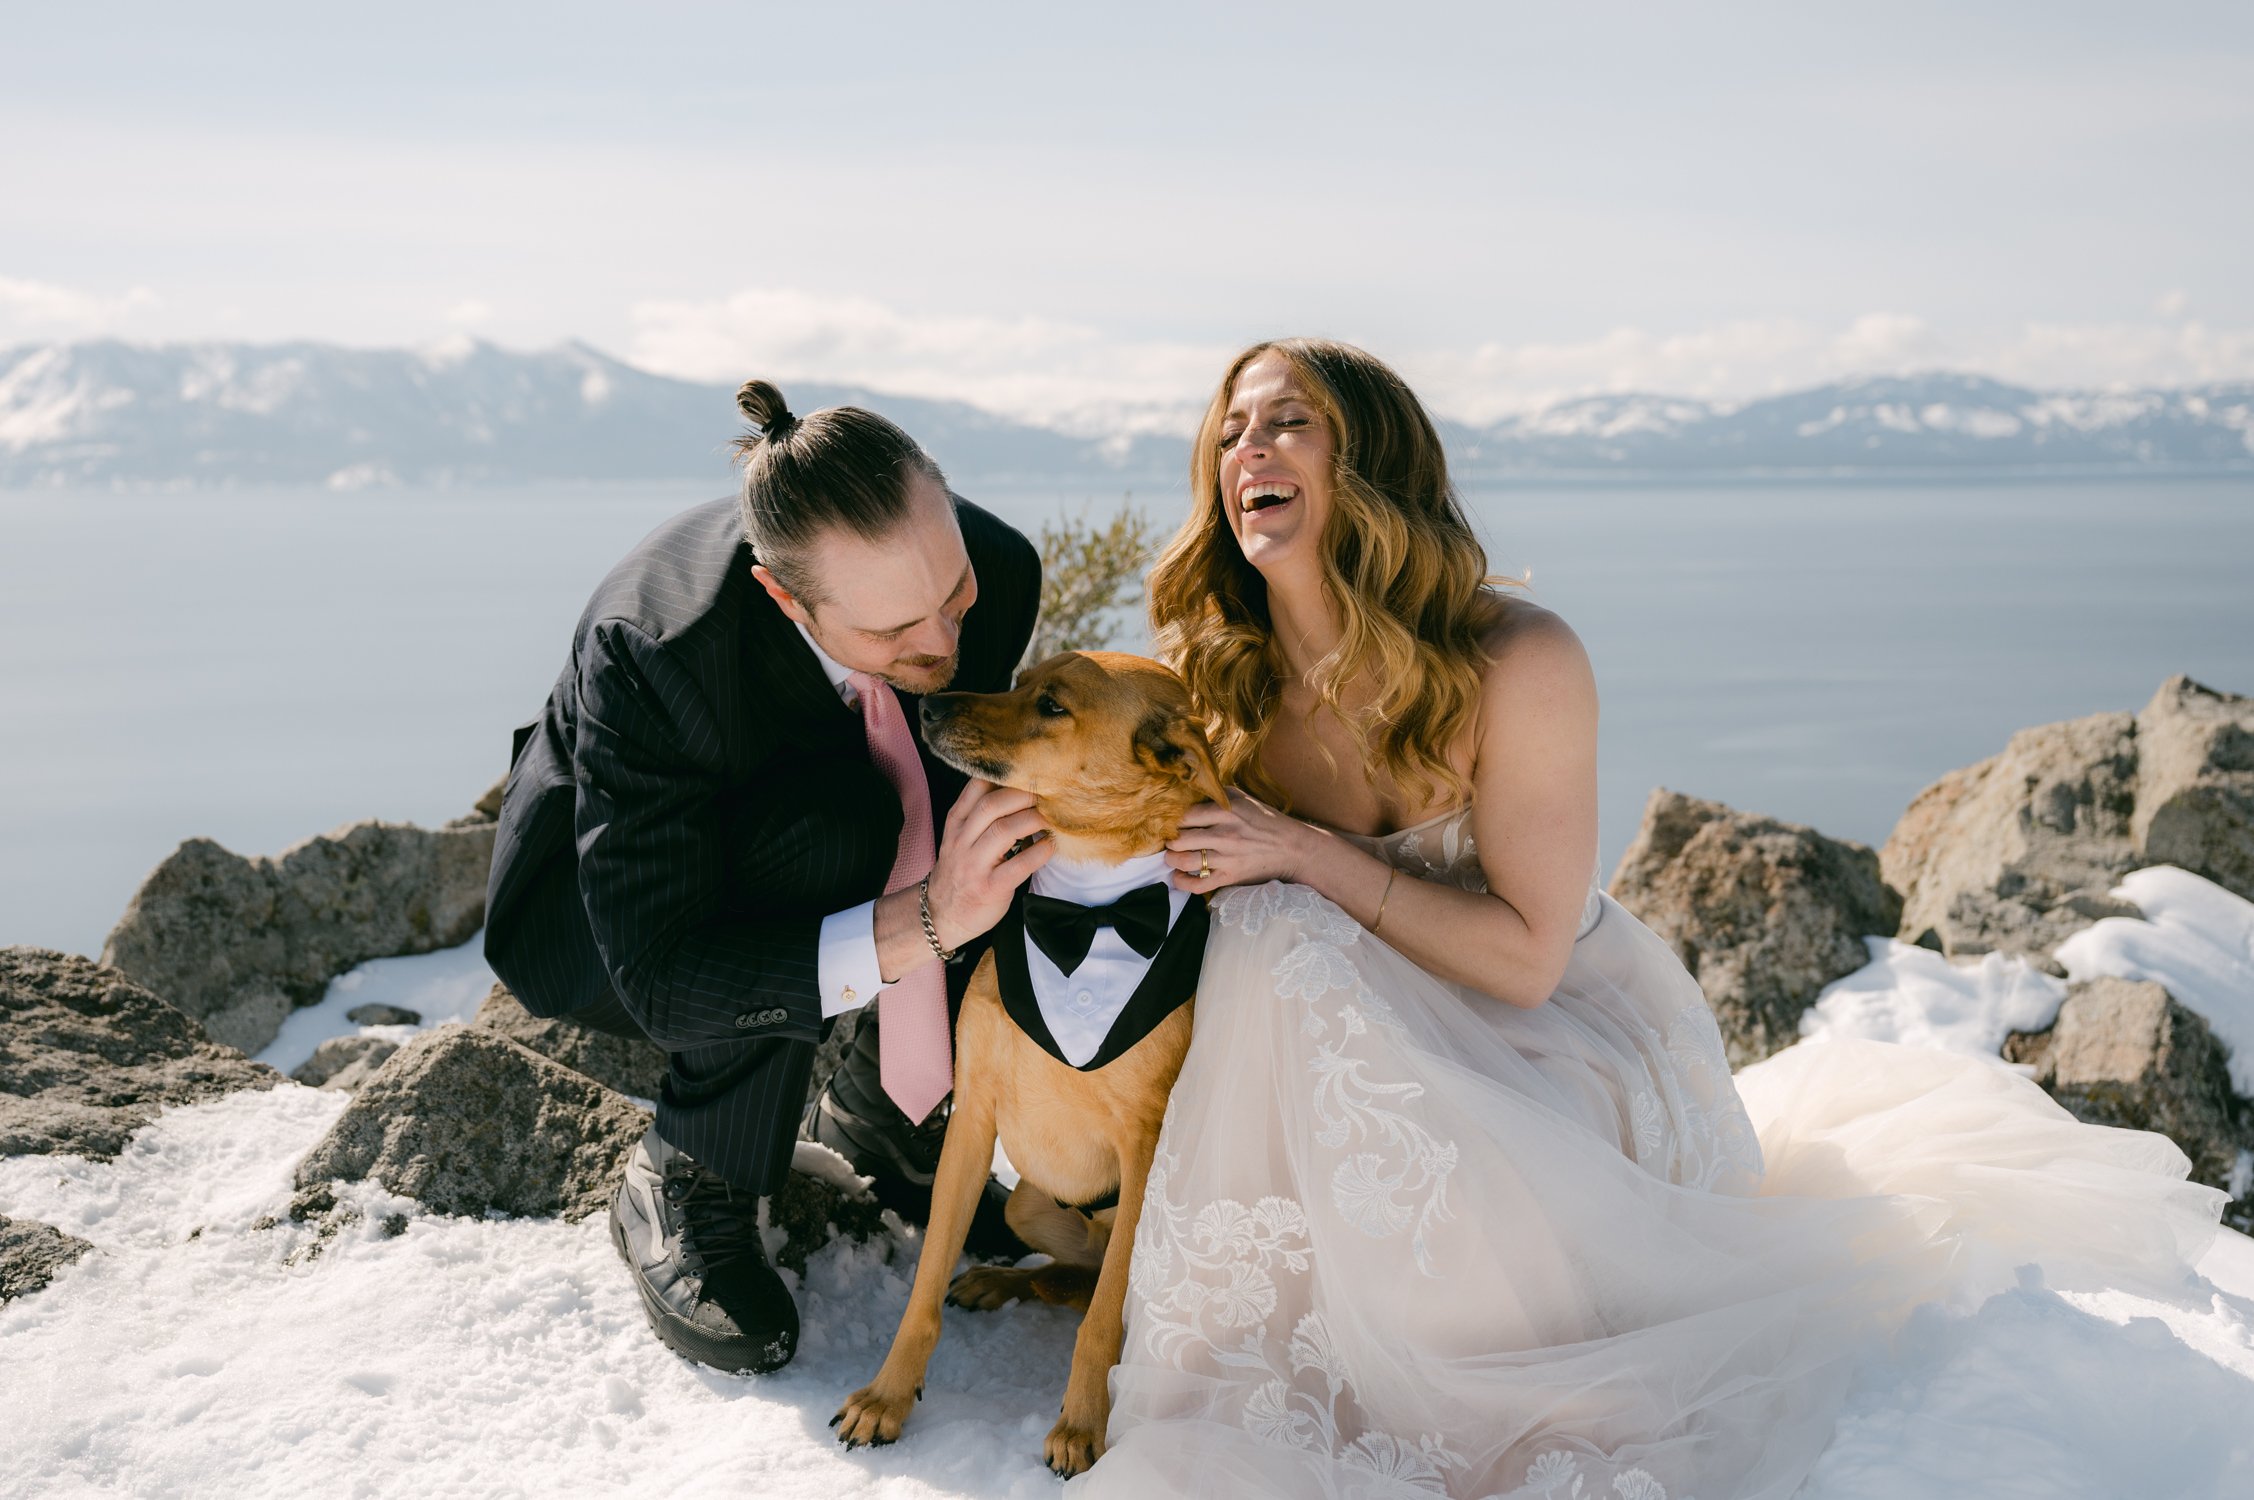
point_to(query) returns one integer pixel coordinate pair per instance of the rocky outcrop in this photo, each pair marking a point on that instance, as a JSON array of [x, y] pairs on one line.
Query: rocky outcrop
[[1764, 914], [31, 1253], [2013, 854], [487, 808], [2195, 784], [468, 1121], [237, 942], [2018, 852], [633, 1066], [2122, 1052], [345, 1062], [471, 1122], [87, 1056]]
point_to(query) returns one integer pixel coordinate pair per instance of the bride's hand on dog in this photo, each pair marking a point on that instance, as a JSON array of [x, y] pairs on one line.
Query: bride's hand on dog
[[977, 873], [1241, 844]]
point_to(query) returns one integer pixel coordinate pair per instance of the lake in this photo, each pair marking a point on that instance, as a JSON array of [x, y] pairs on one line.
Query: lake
[[256, 667]]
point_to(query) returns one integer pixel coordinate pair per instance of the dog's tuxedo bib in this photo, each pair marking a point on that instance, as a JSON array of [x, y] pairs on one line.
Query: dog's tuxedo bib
[[1121, 984]]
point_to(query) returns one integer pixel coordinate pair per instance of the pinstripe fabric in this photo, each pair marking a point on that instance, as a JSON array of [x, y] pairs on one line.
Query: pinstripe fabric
[[692, 801]]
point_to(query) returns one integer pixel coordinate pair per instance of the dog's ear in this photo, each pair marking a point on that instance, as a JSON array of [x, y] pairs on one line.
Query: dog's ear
[[1173, 746]]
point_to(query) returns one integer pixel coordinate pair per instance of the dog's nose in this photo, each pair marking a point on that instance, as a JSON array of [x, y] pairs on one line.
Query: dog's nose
[[935, 711]]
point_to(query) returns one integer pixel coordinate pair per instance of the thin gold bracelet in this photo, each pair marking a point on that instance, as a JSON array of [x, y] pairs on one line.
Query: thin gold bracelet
[[1379, 920]]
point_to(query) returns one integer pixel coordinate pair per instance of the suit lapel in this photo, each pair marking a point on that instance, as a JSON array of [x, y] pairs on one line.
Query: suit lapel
[[804, 700]]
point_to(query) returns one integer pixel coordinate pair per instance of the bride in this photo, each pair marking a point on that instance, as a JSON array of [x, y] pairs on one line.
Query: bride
[[1456, 1193]]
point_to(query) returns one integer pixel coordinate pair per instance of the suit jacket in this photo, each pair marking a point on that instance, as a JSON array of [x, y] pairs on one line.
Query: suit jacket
[[695, 797]]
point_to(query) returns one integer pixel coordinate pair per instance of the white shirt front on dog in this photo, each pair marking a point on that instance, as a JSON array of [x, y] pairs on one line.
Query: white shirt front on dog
[[1081, 1006]]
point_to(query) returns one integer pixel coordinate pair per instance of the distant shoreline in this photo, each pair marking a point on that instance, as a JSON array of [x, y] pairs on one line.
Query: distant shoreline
[[107, 416], [1154, 486]]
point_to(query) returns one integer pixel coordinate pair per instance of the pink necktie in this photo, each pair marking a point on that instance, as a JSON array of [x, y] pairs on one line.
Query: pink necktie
[[914, 1055]]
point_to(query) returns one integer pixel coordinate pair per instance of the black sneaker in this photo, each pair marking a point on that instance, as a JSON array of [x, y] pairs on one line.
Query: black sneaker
[[693, 1243], [900, 1160]]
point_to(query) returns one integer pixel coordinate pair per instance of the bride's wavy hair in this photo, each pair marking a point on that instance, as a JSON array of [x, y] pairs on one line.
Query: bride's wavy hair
[[1399, 561]]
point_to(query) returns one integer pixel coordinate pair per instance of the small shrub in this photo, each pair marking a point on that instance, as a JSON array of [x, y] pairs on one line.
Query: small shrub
[[1090, 576]]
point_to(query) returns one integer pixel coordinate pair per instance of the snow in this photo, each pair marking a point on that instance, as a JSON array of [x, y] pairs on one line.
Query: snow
[[2196, 939], [42, 400], [197, 1355], [1915, 996], [2034, 1395], [463, 1357], [443, 987], [1972, 421]]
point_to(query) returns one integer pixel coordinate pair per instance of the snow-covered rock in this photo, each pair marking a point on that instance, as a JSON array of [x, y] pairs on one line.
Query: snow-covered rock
[[240, 942], [2123, 1053], [469, 1122], [2153, 1027], [2018, 852]]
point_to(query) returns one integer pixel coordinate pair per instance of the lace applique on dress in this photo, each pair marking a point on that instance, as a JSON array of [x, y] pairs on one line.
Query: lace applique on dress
[[1204, 1287], [1398, 1180], [1222, 1287]]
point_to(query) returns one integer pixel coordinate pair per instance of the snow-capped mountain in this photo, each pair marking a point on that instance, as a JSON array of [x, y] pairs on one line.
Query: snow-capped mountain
[[1883, 424], [109, 415]]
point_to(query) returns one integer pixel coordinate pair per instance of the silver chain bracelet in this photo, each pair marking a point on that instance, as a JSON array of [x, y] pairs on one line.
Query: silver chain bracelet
[[931, 932]]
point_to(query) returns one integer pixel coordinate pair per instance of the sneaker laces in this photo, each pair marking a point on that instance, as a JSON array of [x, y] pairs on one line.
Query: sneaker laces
[[719, 1225]]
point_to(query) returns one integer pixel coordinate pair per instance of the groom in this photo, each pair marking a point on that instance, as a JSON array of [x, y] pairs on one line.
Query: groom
[[723, 832]]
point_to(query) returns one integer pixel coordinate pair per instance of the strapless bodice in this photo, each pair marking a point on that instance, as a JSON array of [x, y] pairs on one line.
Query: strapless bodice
[[1442, 848]]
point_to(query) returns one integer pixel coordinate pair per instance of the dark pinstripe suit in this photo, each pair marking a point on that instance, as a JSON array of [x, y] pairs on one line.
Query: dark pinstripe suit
[[691, 803]]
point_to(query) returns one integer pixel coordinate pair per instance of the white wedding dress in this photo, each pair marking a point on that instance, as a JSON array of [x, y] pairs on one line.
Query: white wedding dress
[[1402, 1238]]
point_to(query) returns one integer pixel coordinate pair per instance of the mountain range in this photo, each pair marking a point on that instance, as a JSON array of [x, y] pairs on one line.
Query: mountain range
[[108, 415]]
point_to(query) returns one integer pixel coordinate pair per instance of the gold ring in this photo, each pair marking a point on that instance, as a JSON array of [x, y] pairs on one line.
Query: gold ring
[[1205, 864]]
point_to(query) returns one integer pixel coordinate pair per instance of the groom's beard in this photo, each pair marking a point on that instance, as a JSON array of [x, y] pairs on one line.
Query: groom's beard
[[922, 675]]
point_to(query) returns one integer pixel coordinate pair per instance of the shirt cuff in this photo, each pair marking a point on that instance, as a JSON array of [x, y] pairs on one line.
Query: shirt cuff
[[847, 959]]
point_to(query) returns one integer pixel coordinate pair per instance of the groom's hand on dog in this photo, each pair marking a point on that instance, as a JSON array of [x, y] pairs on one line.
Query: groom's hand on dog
[[993, 842], [981, 865]]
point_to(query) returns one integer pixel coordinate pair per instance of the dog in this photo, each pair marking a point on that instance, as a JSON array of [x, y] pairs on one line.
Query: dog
[[1106, 744]]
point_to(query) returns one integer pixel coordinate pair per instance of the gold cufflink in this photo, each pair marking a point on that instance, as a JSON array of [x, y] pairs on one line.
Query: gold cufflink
[[846, 994]]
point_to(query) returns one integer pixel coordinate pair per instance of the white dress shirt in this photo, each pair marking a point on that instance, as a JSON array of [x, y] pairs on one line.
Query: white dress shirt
[[1081, 1006], [847, 966]]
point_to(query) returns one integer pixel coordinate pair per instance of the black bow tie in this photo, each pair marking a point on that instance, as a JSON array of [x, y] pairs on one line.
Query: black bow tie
[[1064, 929]]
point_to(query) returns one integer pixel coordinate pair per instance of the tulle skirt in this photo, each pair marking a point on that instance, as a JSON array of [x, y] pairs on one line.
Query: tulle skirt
[[1402, 1239]]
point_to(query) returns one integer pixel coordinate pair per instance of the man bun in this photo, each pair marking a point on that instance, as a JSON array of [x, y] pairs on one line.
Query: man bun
[[842, 466], [764, 405]]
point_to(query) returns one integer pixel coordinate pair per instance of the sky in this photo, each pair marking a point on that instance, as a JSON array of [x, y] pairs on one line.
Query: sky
[[1076, 214]]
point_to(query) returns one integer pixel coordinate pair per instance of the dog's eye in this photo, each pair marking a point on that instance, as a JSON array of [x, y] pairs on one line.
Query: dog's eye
[[1049, 707]]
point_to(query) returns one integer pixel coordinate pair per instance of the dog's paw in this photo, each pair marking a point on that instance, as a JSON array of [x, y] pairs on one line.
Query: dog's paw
[[984, 1288], [1072, 1448], [871, 1418], [1065, 1286]]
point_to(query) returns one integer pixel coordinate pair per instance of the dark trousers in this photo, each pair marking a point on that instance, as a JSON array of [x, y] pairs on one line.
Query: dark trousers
[[735, 1106]]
